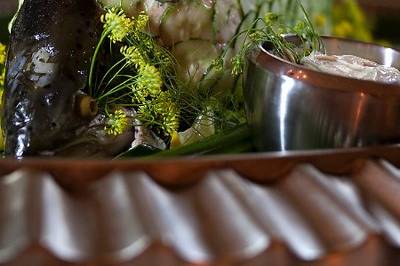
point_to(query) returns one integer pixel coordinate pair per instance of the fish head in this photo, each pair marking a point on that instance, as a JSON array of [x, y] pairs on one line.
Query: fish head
[[50, 50], [44, 104]]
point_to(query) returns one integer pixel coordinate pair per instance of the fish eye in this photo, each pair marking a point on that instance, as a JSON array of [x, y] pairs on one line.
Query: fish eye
[[87, 106]]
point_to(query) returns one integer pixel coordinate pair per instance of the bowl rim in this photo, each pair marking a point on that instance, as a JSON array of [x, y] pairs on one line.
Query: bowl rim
[[280, 67]]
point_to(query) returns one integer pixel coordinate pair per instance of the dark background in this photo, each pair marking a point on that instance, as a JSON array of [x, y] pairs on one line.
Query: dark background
[[385, 15], [7, 9]]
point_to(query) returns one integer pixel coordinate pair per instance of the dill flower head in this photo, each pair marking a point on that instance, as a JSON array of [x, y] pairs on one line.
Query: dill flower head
[[133, 56], [237, 65], [270, 18], [343, 29], [218, 63], [117, 123], [170, 119], [147, 43], [148, 82], [2, 76], [161, 111], [163, 56], [141, 21], [257, 36], [2, 64], [118, 25], [2, 54], [320, 20], [169, 112]]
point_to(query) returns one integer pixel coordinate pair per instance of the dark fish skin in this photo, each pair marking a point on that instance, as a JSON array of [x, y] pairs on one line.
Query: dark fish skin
[[51, 45]]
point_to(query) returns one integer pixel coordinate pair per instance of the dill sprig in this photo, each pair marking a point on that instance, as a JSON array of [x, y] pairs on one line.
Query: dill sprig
[[142, 78], [116, 24], [116, 122], [116, 27], [274, 28]]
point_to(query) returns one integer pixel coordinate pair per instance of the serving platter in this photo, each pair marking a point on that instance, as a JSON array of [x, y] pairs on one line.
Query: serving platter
[[334, 207], [330, 207]]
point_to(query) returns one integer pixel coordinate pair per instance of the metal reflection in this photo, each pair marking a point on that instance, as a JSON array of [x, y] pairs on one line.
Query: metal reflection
[[287, 86]]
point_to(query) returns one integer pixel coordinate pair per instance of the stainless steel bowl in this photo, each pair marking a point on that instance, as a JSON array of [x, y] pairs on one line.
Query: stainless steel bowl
[[291, 107]]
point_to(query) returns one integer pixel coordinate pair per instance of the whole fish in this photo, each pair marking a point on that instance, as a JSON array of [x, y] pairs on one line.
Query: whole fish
[[51, 45]]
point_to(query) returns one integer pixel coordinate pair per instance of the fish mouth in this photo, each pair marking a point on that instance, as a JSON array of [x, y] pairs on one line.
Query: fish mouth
[[27, 143]]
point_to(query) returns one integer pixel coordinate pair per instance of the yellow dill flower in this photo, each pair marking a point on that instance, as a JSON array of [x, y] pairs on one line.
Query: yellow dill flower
[[320, 20], [164, 57], [2, 64], [161, 111], [350, 21], [148, 82], [168, 111], [270, 18], [141, 21], [117, 123], [118, 25], [133, 56], [2, 140], [257, 36], [2, 54], [2, 79], [170, 120], [218, 63], [237, 65], [3, 58], [149, 43], [343, 29]]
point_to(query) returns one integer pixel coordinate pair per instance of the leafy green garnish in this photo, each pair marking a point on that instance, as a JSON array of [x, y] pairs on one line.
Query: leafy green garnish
[[235, 140], [140, 79], [274, 29]]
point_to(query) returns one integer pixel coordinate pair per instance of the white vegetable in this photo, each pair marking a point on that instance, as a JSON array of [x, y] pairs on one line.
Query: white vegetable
[[194, 57], [202, 127], [185, 21]]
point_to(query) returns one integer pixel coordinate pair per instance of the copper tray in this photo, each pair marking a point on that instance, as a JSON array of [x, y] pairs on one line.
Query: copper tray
[[316, 208]]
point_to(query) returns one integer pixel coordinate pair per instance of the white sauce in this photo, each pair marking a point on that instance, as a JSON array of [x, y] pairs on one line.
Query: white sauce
[[353, 67]]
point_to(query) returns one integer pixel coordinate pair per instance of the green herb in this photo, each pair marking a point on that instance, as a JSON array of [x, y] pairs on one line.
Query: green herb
[[235, 140], [274, 29], [140, 79]]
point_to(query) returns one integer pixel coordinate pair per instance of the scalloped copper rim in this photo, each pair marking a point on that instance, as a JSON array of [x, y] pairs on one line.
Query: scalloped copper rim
[[305, 217]]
